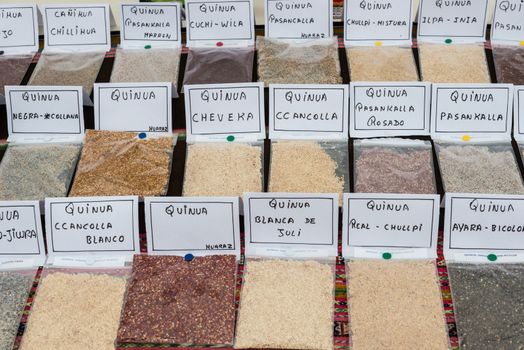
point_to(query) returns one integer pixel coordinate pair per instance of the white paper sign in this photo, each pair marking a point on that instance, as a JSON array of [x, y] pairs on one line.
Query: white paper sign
[[385, 22], [220, 23], [103, 226], [397, 226], [389, 109], [484, 228], [18, 28], [452, 21], [21, 236], [196, 225], [70, 27], [133, 107], [299, 19], [508, 22], [291, 224], [219, 111], [481, 111], [36, 113], [308, 111], [155, 24], [518, 113]]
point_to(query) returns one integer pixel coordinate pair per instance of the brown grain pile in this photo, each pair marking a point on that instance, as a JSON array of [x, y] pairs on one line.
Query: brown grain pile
[[384, 63], [222, 169], [13, 69], [509, 64], [286, 305], [313, 62], [75, 311], [394, 170], [441, 63], [395, 305], [142, 65], [173, 301], [302, 166], [68, 69], [119, 163]]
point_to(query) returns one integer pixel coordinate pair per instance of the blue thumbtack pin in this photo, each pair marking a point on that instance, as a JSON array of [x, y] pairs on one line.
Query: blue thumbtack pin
[[142, 135], [188, 257]]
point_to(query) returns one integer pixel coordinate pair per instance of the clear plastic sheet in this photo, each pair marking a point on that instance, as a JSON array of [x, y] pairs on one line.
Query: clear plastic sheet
[[13, 69], [146, 65], [173, 301], [386, 166], [219, 65], [509, 64], [395, 304], [286, 304], [309, 166], [383, 63], [76, 309], [460, 63], [223, 169], [68, 69], [311, 62], [119, 163], [37, 171], [479, 168], [489, 305], [15, 287]]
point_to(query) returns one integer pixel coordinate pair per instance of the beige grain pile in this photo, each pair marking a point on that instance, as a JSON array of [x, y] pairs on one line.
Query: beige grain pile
[[75, 311], [384, 63], [480, 169], [312, 62], [222, 169], [440, 63], [286, 305], [142, 65], [302, 166], [395, 305], [68, 69]]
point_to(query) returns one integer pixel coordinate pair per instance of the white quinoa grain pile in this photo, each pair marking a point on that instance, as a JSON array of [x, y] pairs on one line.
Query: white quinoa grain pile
[[75, 311], [440, 63], [384, 63], [395, 305], [286, 305], [222, 169], [479, 169]]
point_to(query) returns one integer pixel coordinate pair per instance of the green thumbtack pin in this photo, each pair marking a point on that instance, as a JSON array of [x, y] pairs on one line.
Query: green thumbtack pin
[[492, 257], [230, 138], [147, 47], [386, 256], [448, 41]]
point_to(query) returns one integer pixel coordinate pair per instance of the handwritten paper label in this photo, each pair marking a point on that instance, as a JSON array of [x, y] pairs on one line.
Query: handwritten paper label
[[21, 236], [299, 19], [484, 228], [18, 28], [458, 20], [44, 112], [369, 22], [220, 23], [404, 226], [308, 111], [508, 22], [480, 111], [134, 107], [155, 24], [196, 225], [72, 27], [216, 111], [291, 224], [518, 114], [389, 109], [98, 225]]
